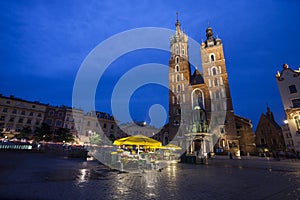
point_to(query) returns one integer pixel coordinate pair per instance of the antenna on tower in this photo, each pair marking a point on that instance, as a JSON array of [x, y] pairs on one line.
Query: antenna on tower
[[177, 16]]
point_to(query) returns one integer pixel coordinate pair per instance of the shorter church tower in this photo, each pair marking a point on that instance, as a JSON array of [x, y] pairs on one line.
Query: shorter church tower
[[216, 78]]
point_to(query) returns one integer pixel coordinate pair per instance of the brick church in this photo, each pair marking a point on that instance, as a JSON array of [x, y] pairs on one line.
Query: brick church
[[201, 115]]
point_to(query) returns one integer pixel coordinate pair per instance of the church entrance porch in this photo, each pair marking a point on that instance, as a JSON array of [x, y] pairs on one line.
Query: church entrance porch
[[199, 148]]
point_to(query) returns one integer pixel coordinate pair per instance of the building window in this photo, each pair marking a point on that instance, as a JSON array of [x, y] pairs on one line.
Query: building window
[[60, 114], [221, 130], [296, 103], [11, 119], [23, 112], [217, 94], [293, 89], [2, 118], [223, 93], [14, 111], [5, 110], [221, 81], [51, 112], [104, 125], [29, 121], [33, 106], [58, 123], [178, 78], [274, 141], [21, 120], [178, 99], [262, 141], [212, 58], [197, 99], [8, 102], [297, 122], [177, 68], [49, 122], [177, 59], [216, 82], [31, 114], [112, 127], [178, 88], [88, 123], [214, 71]]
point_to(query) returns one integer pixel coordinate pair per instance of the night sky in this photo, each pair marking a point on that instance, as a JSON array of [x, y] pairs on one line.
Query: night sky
[[43, 44]]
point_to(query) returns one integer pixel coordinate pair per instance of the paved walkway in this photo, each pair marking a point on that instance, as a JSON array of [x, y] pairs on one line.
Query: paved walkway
[[39, 176]]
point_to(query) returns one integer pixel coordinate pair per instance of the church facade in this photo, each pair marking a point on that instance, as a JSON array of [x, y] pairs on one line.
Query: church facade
[[201, 115]]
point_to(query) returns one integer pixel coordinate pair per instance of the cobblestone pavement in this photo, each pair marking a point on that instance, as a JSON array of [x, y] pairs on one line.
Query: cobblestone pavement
[[42, 176]]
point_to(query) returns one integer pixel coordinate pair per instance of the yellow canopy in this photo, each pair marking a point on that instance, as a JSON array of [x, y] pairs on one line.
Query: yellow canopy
[[139, 140]]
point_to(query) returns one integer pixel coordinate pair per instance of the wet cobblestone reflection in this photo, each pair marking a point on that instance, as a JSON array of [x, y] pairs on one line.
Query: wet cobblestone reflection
[[38, 176]]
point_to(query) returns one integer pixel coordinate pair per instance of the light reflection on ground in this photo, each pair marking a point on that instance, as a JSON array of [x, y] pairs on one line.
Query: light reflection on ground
[[39, 176]]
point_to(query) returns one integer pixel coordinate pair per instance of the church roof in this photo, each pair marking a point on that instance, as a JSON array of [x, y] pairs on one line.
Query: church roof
[[197, 78]]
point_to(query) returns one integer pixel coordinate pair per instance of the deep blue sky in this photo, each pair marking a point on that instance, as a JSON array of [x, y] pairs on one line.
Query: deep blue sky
[[43, 43]]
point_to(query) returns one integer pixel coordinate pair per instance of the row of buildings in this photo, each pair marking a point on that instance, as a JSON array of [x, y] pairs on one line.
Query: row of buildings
[[16, 114]]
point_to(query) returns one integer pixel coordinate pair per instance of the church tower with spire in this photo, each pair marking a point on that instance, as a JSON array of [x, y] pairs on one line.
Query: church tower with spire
[[179, 78]]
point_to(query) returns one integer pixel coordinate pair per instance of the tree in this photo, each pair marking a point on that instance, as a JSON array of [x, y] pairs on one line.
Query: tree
[[26, 133], [95, 139], [63, 135], [44, 133]]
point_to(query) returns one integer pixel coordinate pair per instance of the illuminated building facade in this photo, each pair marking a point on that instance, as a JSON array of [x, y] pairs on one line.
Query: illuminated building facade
[[201, 116], [288, 81], [16, 114]]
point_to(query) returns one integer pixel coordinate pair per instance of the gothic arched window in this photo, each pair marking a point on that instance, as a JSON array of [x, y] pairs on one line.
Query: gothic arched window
[[178, 77], [217, 94], [216, 82], [212, 57], [178, 88], [214, 71], [179, 99], [177, 68], [197, 98]]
